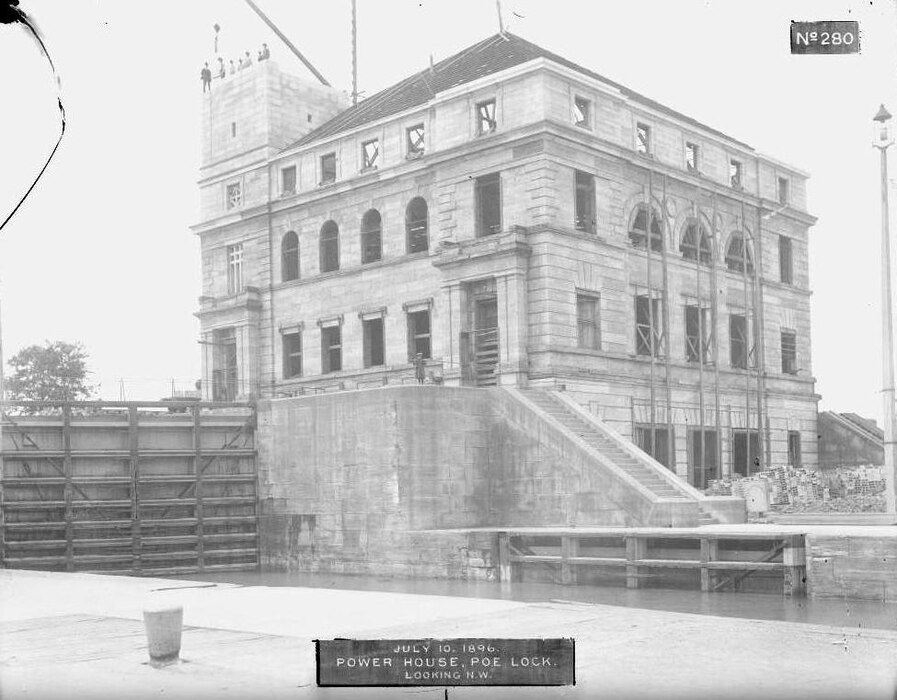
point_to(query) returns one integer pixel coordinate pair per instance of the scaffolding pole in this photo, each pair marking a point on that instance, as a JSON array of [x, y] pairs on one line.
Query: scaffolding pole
[[714, 316], [698, 241], [747, 350], [651, 335], [666, 324]]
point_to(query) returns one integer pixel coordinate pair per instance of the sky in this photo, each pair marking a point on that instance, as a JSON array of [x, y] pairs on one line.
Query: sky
[[101, 251]]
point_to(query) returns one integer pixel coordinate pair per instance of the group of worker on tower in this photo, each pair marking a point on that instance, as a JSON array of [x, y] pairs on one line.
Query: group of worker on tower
[[206, 75]]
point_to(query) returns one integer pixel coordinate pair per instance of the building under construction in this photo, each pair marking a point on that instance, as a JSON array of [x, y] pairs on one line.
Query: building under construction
[[514, 219]]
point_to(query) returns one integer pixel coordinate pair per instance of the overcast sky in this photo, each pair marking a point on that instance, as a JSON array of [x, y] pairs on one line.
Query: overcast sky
[[101, 252]]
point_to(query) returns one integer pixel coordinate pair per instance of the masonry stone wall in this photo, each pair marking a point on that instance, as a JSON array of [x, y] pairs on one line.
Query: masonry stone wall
[[859, 566]]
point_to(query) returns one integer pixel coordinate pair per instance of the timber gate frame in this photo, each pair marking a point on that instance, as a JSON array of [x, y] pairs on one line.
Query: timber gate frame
[[148, 488]]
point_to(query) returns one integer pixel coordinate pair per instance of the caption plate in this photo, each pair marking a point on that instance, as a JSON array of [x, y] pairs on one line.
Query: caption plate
[[445, 662], [825, 37]]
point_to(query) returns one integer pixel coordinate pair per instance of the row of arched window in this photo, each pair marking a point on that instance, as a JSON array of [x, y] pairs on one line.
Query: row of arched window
[[416, 240], [695, 243]]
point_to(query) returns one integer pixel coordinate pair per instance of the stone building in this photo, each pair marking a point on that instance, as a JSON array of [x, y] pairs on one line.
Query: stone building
[[516, 219]]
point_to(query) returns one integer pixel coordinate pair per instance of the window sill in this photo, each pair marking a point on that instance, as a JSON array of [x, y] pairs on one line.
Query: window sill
[[415, 155], [368, 169]]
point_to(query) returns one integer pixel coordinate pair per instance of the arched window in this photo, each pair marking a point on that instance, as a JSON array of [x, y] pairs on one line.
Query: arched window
[[289, 257], [738, 256], [695, 241], [638, 227], [371, 239], [329, 247], [416, 236]]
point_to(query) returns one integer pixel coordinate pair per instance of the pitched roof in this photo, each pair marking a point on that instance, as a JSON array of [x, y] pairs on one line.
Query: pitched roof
[[492, 55]]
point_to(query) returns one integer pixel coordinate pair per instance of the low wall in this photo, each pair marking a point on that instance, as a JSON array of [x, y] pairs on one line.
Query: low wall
[[853, 565]]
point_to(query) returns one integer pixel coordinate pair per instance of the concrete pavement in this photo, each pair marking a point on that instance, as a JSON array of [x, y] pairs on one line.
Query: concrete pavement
[[81, 636]]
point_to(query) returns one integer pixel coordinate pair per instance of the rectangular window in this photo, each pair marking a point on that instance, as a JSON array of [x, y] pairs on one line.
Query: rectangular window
[[235, 268], [655, 441], [370, 152], [419, 334], [488, 201], [703, 457], [234, 195], [735, 174], [698, 333], [745, 452], [331, 349], [225, 371], [585, 203], [288, 180], [292, 355], [643, 139], [414, 140], [328, 168], [588, 321], [648, 315], [784, 193], [740, 346], [789, 352], [691, 157], [374, 347], [582, 112], [786, 267], [486, 121], [794, 456]]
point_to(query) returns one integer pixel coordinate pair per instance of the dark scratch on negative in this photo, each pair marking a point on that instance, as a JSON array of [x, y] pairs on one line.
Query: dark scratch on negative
[[11, 14]]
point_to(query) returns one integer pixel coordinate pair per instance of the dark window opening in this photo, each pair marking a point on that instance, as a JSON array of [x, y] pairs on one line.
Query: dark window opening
[[414, 138], [588, 321], [738, 256], [703, 457], [691, 157], [224, 365], [331, 349], [794, 455], [329, 247], [784, 193], [289, 257], [371, 236], [416, 233], [745, 452], [486, 122], [786, 266], [581, 112], [696, 243], [585, 202], [655, 441], [488, 200], [698, 334], [740, 346], [370, 152], [637, 229], [643, 139], [419, 334], [374, 346], [292, 355], [789, 352], [328, 168], [648, 316], [735, 174], [288, 180]]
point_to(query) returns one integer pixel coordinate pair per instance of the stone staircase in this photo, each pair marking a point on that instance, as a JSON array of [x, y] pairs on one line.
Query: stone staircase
[[628, 458], [605, 444]]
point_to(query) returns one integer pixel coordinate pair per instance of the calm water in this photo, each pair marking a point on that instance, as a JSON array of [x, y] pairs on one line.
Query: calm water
[[757, 606]]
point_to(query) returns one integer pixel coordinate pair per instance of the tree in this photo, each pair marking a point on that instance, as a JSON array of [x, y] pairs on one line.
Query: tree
[[56, 371]]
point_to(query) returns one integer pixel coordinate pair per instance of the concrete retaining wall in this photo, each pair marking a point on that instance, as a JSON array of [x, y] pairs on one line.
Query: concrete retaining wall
[[348, 479]]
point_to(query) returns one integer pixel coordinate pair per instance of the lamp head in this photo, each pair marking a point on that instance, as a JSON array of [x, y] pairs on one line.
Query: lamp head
[[883, 137]]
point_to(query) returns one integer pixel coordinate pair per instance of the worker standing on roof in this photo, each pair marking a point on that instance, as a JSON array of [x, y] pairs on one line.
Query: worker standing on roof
[[206, 76], [221, 72], [265, 53]]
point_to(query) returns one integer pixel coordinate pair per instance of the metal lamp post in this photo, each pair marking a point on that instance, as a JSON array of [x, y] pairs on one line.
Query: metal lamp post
[[883, 139]]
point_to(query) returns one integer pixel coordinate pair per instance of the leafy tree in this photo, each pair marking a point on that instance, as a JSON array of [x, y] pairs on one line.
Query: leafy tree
[[56, 371]]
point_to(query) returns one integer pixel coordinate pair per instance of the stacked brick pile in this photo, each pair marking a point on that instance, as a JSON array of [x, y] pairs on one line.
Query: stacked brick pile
[[796, 489]]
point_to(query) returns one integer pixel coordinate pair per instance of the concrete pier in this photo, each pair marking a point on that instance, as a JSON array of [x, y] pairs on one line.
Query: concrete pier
[[81, 635]]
